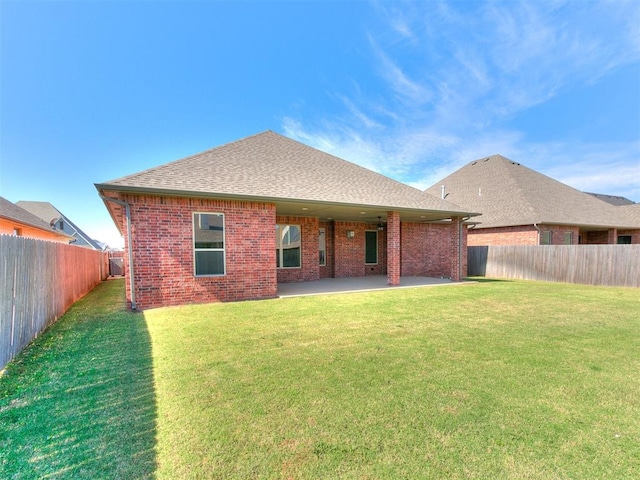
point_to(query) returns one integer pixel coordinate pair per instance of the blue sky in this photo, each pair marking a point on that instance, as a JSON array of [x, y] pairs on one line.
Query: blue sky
[[94, 90]]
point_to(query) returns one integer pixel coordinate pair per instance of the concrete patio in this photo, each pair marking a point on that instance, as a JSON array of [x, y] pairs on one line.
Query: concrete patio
[[327, 286]]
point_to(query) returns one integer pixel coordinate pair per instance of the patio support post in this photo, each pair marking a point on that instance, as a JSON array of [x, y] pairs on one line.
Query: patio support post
[[393, 248], [457, 249]]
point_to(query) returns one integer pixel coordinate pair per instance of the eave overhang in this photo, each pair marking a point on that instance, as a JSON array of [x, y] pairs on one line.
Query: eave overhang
[[325, 210]]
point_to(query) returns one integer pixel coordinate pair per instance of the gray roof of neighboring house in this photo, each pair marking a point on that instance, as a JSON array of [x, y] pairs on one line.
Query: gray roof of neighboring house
[[43, 210], [14, 212], [271, 167], [48, 213], [612, 199], [509, 194]]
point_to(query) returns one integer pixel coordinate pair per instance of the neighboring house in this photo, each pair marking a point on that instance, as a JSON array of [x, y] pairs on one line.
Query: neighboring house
[[523, 207], [632, 211], [17, 221], [59, 221], [230, 223]]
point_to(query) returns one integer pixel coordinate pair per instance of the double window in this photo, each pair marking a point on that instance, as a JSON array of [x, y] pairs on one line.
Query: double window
[[288, 246], [208, 244]]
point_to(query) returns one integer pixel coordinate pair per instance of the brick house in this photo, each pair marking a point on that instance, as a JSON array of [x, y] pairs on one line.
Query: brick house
[[523, 207], [232, 222]]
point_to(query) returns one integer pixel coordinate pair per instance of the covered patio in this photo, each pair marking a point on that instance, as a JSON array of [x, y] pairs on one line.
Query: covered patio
[[326, 286]]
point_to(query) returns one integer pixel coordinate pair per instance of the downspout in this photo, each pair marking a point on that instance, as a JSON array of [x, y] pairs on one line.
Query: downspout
[[127, 210]]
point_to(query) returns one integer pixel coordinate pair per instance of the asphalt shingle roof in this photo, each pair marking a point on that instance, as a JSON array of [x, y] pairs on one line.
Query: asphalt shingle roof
[[47, 212], [508, 194], [14, 212], [612, 199], [270, 166]]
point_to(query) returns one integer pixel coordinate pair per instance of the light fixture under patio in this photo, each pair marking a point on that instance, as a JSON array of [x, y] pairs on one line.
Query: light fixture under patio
[[380, 225]]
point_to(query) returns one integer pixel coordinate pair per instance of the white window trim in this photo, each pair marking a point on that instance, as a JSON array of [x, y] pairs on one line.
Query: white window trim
[[223, 249], [377, 247], [279, 246], [568, 236]]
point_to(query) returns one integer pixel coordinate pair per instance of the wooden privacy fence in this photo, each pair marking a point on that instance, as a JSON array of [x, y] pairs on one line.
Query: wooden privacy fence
[[611, 265], [39, 280]]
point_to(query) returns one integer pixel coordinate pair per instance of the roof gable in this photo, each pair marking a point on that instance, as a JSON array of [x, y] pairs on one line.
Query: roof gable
[[508, 193], [16, 213], [44, 210], [48, 213], [270, 166]]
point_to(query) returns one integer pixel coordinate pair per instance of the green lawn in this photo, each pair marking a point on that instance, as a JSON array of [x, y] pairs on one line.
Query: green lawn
[[488, 380]]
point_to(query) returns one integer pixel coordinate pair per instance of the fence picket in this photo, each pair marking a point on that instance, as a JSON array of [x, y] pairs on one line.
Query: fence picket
[[39, 281], [608, 265]]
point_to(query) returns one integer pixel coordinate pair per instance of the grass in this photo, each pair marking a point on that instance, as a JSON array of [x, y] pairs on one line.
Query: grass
[[79, 402], [492, 380]]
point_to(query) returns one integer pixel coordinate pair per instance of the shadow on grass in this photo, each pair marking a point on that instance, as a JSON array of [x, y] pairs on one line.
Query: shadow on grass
[[80, 401], [487, 280]]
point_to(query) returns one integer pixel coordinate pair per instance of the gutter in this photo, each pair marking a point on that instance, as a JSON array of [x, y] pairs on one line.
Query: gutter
[[127, 209]]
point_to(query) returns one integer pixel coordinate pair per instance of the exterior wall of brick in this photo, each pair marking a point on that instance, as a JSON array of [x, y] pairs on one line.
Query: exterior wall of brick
[[432, 250], [595, 238], [162, 229], [163, 253], [521, 235], [528, 235], [634, 234], [558, 232], [518, 235], [349, 253], [310, 269]]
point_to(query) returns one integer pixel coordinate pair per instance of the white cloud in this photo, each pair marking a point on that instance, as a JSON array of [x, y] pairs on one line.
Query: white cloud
[[453, 72], [601, 168]]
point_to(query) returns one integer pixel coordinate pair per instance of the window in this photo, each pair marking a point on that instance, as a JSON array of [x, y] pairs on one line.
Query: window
[[568, 238], [371, 247], [208, 244], [18, 232], [624, 239], [545, 238], [288, 246], [322, 247]]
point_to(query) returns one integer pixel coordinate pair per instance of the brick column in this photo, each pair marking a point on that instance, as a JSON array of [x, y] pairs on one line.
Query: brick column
[[612, 236], [456, 255], [393, 248]]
